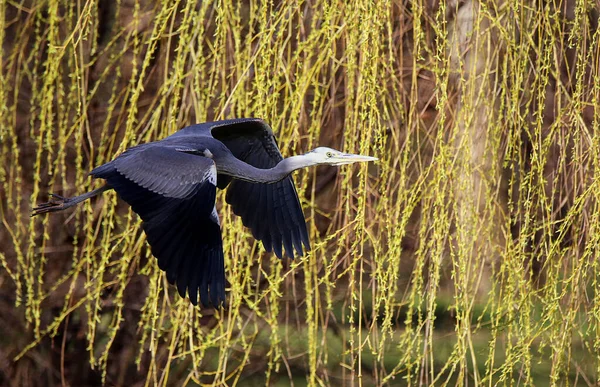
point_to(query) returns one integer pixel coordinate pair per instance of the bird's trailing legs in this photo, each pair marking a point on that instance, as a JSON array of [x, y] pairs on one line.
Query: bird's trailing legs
[[59, 203]]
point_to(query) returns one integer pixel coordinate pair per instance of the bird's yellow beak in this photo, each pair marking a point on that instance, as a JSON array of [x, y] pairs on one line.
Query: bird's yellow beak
[[349, 158]]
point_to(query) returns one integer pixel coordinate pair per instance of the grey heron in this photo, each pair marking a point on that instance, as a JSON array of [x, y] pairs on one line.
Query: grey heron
[[171, 184]]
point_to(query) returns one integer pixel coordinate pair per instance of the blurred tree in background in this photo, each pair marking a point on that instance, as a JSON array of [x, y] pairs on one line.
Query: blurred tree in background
[[470, 253]]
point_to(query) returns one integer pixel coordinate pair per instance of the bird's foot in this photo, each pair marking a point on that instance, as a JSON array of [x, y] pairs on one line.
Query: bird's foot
[[57, 203]]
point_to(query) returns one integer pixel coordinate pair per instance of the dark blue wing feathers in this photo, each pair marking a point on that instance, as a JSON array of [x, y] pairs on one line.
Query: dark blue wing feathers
[[271, 211], [179, 230]]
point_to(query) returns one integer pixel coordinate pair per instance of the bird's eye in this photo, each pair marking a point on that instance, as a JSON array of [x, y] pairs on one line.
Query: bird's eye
[[329, 154]]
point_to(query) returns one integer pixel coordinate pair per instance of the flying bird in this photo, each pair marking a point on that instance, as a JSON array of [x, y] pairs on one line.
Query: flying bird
[[172, 183]]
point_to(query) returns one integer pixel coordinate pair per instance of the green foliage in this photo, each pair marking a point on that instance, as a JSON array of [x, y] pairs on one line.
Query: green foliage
[[468, 253]]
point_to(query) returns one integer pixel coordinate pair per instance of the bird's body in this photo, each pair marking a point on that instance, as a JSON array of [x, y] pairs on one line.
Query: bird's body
[[171, 184]]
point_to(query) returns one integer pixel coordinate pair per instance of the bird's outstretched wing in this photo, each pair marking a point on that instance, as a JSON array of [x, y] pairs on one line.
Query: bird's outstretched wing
[[271, 211], [174, 194]]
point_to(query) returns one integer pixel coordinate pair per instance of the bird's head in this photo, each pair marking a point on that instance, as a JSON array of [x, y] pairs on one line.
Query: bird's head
[[327, 156]]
